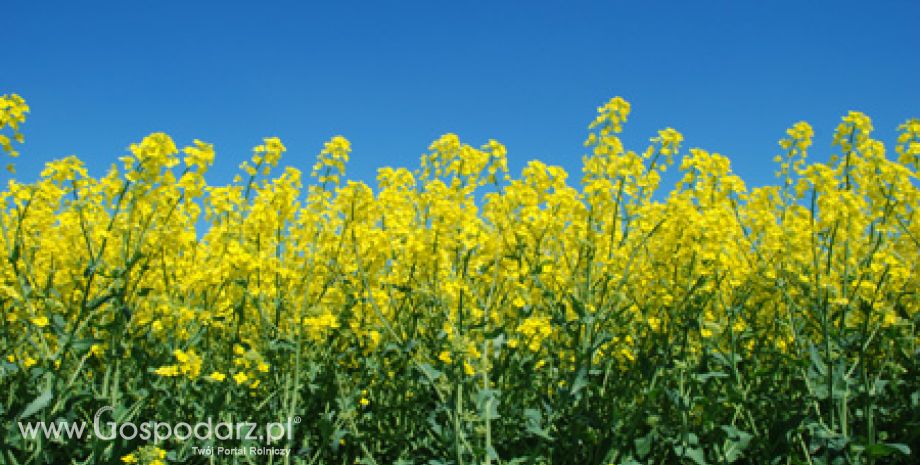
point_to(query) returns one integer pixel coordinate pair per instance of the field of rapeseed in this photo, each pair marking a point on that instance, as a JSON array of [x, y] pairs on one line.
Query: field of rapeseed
[[459, 314]]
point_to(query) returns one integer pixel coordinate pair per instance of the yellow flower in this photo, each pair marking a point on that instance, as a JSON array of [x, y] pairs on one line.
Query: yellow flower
[[217, 376], [535, 330], [40, 321], [97, 350], [468, 369], [169, 370]]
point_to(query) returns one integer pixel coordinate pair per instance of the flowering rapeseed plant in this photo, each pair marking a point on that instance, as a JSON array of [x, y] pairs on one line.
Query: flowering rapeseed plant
[[459, 314]]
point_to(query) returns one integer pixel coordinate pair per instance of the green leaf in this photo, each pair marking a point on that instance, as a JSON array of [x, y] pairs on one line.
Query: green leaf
[[430, 372], [487, 404], [581, 380], [535, 424], [736, 443], [58, 322], [703, 377], [81, 346], [696, 454], [816, 361], [884, 450], [643, 445], [337, 436], [37, 404]]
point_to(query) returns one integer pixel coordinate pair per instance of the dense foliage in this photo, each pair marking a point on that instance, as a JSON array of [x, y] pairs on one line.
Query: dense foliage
[[458, 315]]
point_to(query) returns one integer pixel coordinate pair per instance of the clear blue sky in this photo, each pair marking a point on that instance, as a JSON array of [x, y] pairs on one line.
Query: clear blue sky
[[393, 77]]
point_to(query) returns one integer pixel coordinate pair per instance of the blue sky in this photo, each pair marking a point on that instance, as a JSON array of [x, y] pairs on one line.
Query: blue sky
[[732, 76]]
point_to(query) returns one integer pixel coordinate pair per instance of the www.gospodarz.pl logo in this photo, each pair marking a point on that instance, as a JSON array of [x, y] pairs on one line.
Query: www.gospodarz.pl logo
[[269, 433]]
